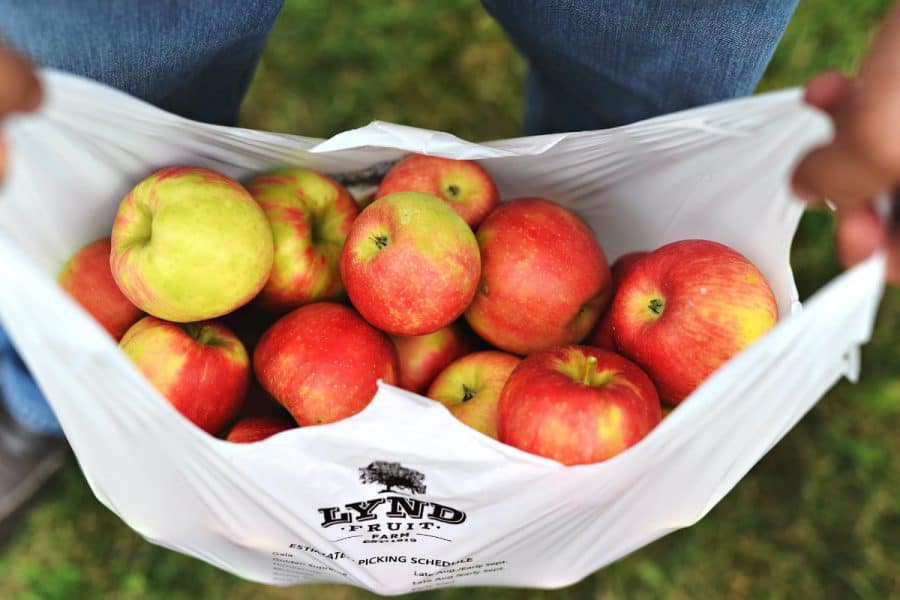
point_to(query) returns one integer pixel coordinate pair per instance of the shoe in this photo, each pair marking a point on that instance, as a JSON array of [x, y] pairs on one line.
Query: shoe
[[27, 460]]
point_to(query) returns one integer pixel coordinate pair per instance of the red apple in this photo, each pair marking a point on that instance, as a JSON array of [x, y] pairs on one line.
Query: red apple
[[577, 405], [422, 357], [688, 307], [470, 388], [254, 429], [323, 361], [310, 216], [87, 278], [201, 368], [410, 264], [463, 184], [601, 336], [544, 278]]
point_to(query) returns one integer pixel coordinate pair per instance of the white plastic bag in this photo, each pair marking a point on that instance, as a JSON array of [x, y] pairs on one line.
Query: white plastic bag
[[467, 510]]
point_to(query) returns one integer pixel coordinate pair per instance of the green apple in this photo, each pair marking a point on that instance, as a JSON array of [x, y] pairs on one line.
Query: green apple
[[190, 244]]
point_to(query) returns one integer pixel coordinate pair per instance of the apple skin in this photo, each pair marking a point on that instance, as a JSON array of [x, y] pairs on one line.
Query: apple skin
[[255, 429], [86, 277], [544, 281], [601, 336], [310, 215], [463, 184], [322, 362], [688, 307], [422, 357], [546, 407], [410, 264], [470, 388], [202, 368], [190, 244]]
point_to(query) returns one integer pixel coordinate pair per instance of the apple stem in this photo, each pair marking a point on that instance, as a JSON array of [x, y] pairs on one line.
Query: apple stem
[[468, 393], [380, 241], [589, 370], [200, 332]]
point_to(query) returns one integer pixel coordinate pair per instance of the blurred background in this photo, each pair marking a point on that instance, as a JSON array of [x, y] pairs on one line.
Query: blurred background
[[819, 517]]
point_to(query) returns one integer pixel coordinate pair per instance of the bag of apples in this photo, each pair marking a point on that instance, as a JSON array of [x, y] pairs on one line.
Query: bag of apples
[[441, 388]]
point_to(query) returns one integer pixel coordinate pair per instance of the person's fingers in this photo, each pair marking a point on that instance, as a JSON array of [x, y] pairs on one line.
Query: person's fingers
[[839, 172], [825, 92], [826, 89], [2, 158], [20, 89], [859, 233]]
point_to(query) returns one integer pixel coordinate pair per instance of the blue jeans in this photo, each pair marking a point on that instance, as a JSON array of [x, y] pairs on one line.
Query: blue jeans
[[593, 64], [596, 64]]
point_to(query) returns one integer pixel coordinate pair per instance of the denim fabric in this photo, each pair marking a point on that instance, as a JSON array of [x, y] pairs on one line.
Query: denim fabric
[[594, 64], [22, 398], [194, 58], [603, 63]]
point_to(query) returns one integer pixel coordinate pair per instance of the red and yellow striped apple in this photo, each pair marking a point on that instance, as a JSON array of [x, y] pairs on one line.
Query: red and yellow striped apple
[[255, 429], [463, 184], [310, 215], [601, 336], [202, 369], [422, 357], [86, 277], [544, 278], [410, 264], [322, 362], [688, 307], [470, 388], [577, 405], [190, 244]]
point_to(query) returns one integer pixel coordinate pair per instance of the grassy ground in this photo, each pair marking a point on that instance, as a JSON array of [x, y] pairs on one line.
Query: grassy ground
[[818, 517]]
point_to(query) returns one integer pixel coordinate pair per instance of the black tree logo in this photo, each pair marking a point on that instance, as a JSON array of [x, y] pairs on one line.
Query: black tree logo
[[393, 475]]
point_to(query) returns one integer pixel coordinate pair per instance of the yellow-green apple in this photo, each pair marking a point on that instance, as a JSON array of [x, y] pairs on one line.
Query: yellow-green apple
[[201, 368], [688, 307], [463, 184], [470, 388], [255, 429], [86, 277], [544, 277], [190, 244], [577, 405], [410, 264], [323, 361], [601, 336], [422, 357], [310, 215]]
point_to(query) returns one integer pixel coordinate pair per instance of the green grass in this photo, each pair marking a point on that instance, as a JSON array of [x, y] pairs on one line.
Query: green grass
[[818, 517]]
